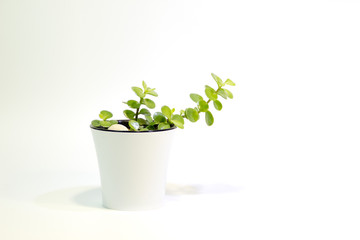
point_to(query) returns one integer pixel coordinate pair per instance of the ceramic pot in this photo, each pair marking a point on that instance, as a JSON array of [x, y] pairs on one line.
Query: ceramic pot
[[132, 167]]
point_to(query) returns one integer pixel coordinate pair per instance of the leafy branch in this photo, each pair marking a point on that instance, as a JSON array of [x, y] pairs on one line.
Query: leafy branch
[[105, 123], [135, 122], [193, 114], [143, 120]]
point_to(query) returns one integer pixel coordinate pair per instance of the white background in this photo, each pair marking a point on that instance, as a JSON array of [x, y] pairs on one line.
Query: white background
[[280, 162]]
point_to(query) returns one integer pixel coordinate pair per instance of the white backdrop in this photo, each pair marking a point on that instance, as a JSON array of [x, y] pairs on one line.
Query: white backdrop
[[281, 160]]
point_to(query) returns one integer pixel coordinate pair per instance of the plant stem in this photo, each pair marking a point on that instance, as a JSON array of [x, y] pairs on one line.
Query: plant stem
[[137, 110], [137, 114]]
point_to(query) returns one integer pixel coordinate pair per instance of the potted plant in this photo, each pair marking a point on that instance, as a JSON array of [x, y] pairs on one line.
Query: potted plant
[[133, 153]]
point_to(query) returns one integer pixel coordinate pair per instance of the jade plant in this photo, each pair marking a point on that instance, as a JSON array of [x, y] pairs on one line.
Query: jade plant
[[141, 119]]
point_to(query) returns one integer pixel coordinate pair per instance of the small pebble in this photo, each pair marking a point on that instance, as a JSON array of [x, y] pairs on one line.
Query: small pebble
[[118, 127]]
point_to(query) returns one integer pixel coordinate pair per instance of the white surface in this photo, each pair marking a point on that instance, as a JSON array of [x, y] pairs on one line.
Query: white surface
[[280, 162]]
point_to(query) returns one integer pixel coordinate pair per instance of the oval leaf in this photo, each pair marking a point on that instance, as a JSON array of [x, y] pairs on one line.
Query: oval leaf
[[134, 125], [129, 114], [95, 123], [203, 106], [105, 115], [166, 111], [210, 93], [144, 85], [142, 121], [163, 126], [113, 122], [144, 111], [209, 118], [152, 92], [151, 126], [196, 97], [149, 103], [139, 92], [178, 121], [191, 114], [222, 93], [229, 82], [217, 105], [133, 104], [217, 80], [229, 94], [149, 119], [105, 124], [159, 117]]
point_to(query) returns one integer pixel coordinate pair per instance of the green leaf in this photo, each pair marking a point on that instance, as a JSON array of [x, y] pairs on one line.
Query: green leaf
[[144, 130], [228, 93], [218, 80], [209, 118], [129, 114], [105, 124], [162, 126], [144, 85], [133, 104], [142, 121], [203, 106], [159, 117], [217, 105], [134, 125], [139, 92], [222, 93], [96, 123], [149, 118], [210, 93], [178, 121], [113, 122], [166, 111], [144, 111], [152, 92], [105, 115], [196, 97], [151, 127], [191, 114], [149, 103], [229, 82]]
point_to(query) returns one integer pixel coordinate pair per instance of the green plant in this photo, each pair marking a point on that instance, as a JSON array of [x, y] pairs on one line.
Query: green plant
[[141, 119]]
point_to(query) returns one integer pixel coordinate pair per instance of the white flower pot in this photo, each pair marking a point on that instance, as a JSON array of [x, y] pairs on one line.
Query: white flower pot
[[132, 167]]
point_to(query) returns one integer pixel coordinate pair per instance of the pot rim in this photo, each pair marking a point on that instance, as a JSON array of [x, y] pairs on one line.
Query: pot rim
[[125, 121]]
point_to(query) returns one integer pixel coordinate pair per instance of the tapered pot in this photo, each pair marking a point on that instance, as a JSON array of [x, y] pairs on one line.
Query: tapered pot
[[133, 167]]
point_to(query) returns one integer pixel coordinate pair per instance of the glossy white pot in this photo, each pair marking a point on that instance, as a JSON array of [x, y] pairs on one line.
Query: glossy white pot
[[132, 167]]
